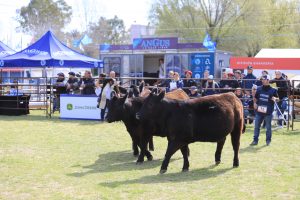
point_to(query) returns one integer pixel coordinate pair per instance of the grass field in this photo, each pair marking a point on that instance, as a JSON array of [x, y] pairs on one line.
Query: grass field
[[54, 159]]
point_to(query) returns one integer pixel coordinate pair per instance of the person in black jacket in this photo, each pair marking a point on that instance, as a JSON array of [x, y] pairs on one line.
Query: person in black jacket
[[72, 84], [87, 84]]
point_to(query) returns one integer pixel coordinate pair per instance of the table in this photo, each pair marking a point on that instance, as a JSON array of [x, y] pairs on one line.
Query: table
[[83, 107], [14, 105]]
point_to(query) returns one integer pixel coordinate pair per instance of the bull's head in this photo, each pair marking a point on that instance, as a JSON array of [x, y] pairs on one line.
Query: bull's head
[[151, 108], [115, 108]]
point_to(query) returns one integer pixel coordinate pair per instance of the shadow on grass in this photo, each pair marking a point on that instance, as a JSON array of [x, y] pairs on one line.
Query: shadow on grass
[[252, 149], [116, 162], [193, 175]]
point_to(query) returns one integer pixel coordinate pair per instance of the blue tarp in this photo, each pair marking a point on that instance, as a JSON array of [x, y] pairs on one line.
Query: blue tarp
[[5, 50], [48, 51]]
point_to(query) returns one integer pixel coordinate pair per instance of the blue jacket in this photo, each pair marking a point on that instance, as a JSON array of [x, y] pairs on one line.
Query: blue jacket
[[247, 84], [264, 96]]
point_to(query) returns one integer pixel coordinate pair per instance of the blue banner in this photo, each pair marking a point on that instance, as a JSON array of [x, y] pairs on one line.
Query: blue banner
[[201, 62]]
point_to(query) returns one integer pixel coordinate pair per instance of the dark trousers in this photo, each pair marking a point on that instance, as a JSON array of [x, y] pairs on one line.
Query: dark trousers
[[103, 110]]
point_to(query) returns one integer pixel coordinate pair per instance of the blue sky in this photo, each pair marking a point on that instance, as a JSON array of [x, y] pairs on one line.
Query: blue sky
[[131, 11]]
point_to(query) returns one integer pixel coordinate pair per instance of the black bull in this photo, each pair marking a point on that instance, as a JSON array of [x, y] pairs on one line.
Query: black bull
[[141, 132], [206, 119]]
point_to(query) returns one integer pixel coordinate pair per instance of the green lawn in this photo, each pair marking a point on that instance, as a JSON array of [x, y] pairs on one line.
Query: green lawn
[[54, 159]]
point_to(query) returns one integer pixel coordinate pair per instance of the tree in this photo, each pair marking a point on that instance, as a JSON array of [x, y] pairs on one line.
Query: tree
[[41, 15], [240, 26], [110, 31]]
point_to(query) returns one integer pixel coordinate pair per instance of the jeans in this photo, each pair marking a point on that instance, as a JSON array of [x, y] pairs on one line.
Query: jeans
[[103, 110], [258, 120]]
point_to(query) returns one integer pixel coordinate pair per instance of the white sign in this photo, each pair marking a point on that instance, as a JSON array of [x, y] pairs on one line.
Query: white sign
[[79, 107]]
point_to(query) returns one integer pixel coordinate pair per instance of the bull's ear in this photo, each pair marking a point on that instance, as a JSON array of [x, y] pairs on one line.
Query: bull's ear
[[161, 95]]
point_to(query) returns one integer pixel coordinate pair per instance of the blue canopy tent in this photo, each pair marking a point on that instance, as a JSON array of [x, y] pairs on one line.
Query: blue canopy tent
[[5, 50], [48, 51]]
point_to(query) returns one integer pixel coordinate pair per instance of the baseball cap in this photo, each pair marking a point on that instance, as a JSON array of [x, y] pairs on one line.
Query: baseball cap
[[61, 74], [188, 72], [238, 71], [72, 73], [266, 77], [210, 77], [193, 88], [230, 74], [249, 67]]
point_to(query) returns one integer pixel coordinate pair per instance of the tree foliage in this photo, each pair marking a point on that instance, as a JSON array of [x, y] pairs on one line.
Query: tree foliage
[[41, 15], [240, 26]]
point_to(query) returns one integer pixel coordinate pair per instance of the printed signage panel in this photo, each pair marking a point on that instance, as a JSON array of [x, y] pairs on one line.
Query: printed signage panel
[[154, 43], [201, 62], [79, 107]]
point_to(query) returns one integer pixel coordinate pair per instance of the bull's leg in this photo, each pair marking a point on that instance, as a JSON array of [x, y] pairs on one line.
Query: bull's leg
[[185, 152], [135, 143], [235, 140], [151, 145], [143, 145], [218, 153], [173, 146]]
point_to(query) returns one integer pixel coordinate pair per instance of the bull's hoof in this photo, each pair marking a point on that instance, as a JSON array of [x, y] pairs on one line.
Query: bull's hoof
[[236, 164], [185, 170], [139, 162], [151, 148], [218, 162], [150, 158], [162, 171]]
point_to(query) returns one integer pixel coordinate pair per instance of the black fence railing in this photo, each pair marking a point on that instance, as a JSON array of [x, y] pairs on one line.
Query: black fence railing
[[41, 93]]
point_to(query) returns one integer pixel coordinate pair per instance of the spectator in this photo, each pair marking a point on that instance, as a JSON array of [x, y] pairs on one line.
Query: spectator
[[87, 84], [205, 78], [238, 77], [188, 82], [264, 105], [263, 73], [99, 84], [249, 79], [166, 82], [194, 92], [60, 88], [175, 83], [72, 84], [211, 87], [282, 87], [14, 90], [161, 68], [106, 95]]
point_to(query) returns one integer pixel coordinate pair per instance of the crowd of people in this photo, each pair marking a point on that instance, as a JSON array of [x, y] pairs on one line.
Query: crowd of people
[[256, 94]]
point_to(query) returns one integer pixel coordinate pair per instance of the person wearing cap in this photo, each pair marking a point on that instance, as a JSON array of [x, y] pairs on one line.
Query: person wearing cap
[[72, 84], [194, 92], [59, 88], [87, 84], [264, 100], [188, 82], [249, 79], [211, 87], [282, 87]]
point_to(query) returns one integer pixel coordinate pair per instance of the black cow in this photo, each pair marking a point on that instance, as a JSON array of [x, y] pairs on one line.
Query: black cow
[[118, 110], [141, 132], [206, 119]]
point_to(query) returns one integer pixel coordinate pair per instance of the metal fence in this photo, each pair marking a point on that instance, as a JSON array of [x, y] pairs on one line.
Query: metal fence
[[42, 94]]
